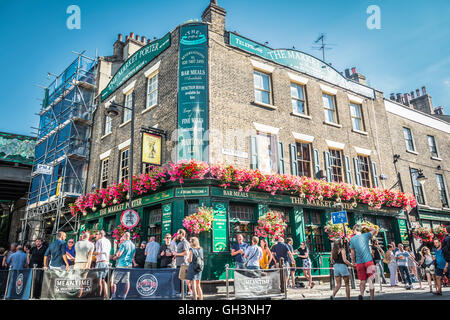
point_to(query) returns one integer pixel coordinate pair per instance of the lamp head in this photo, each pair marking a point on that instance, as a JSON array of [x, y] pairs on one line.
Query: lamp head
[[112, 110]]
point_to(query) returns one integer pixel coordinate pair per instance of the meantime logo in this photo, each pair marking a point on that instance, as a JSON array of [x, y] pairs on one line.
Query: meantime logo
[[19, 284], [72, 286], [146, 285]]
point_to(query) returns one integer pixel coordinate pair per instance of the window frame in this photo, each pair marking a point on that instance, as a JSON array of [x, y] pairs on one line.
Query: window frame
[[301, 161], [436, 151], [149, 93], [305, 106], [103, 176], [406, 129], [442, 189], [361, 116], [327, 109], [108, 125], [122, 168], [332, 166], [128, 103], [368, 181], [419, 194], [269, 91]]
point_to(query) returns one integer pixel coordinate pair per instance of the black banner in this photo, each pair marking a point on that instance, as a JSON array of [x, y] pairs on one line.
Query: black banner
[[145, 284], [19, 285], [3, 281], [72, 284], [256, 283]]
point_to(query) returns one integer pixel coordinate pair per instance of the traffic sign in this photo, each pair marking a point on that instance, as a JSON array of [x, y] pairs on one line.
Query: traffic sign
[[339, 217]]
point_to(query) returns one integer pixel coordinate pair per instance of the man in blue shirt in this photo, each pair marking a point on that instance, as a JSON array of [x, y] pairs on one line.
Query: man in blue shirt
[[57, 252], [238, 250], [402, 262], [124, 260], [281, 250], [18, 259], [362, 256], [441, 266], [151, 253]]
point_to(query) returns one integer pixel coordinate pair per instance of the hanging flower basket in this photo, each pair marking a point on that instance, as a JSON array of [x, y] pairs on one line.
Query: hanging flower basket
[[201, 221], [439, 232], [423, 234], [336, 231], [120, 230], [271, 225], [366, 225]]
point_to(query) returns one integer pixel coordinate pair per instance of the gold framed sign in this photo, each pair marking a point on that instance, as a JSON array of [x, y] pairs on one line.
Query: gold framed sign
[[151, 149]]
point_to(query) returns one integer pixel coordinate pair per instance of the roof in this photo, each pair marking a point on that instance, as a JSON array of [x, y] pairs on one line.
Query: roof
[[17, 148]]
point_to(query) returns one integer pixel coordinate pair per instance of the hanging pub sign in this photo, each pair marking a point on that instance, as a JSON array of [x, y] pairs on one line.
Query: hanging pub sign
[[135, 63], [129, 218], [193, 92], [151, 149]]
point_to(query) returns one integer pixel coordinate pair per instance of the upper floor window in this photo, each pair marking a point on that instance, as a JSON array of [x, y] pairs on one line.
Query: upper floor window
[[433, 147], [124, 164], [357, 118], [304, 159], [266, 151], [128, 106], [336, 165], [408, 139], [262, 87], [329, 104], [417, 186], [104, 173], [364, 170], [298, 98], [108, 125], [152, 91], [442, 190]]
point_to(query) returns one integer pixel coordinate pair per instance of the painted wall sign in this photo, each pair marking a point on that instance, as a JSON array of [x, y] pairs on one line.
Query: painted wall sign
[[301, 62], [219, 231], [135, 63], [403, 231], [167, 219], [193, 93], [151, 149], [129, 218], [235, 153], [192, 192]]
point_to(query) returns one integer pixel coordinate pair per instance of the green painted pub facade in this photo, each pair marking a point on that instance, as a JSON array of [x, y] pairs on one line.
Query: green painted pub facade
[[237, 212]]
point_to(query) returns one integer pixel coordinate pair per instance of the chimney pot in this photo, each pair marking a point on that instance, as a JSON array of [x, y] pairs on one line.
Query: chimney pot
[[347, 73], [418, 93], [424, 90], [127, 37], [143, 39], [132, 35], [149, 41], [138, 38], [412, 95], [353, 70], [399, 97], [119, 37], [406, 96], [392, 96]]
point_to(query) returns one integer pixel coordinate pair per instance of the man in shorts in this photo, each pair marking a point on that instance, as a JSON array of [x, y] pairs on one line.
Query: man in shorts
[[362, 256], [441, 267], [102, 253], [124, 260]]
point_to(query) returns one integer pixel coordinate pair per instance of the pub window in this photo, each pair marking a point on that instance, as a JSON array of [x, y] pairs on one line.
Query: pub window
[[154, 223], [298, 98], [408, 139], [314, 230], [418, 188], [243, 216], [336, 165], [128, 106], [262, 87], [357, 118], [191, 207], [433, 147], [329, 104], [442, 190], [124, 165], [152, 91], [364, 170], [104, 173], [304, 159]]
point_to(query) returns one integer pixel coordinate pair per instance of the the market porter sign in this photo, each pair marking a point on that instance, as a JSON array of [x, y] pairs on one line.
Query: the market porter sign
[[135, 63], [301, 62], [193, 93]]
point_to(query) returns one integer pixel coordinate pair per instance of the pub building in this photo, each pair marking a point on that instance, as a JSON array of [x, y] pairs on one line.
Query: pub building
[[204, 93]]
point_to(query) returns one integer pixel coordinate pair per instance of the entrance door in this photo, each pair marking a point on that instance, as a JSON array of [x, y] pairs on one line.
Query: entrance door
[[155, 223]]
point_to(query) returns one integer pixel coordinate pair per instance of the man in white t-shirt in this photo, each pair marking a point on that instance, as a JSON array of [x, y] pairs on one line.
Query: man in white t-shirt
[[102, 253], [84, 249]]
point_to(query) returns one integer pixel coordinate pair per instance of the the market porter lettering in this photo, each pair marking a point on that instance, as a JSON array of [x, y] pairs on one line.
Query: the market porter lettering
[[193, 93]]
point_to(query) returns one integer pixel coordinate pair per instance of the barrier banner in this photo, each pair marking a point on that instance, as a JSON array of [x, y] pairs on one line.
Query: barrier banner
[[72, 284], [19, 286], [3, 281], [145, 284], [256, 283]]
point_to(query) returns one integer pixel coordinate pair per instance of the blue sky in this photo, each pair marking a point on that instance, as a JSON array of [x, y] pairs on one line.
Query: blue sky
[[410, 50]]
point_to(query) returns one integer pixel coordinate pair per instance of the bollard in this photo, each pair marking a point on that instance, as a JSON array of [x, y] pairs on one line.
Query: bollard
[[227, 281]]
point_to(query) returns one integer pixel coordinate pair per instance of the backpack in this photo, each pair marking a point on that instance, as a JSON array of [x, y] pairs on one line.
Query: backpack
[[446, 248], [199, 263]]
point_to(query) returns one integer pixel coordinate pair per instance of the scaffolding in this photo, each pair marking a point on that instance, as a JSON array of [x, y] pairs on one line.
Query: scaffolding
[[62, 147]]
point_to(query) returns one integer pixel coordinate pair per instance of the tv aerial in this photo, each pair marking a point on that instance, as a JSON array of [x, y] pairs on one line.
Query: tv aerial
[[323, 45]]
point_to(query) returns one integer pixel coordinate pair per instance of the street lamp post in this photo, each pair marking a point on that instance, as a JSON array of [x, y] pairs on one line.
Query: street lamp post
[[112, 110]]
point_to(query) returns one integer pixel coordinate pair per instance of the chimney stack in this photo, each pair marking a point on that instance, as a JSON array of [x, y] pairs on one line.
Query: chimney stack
[[424, 90], [399, 98], [143, 39], [439, 110], [412, 95], [407, 99], [119, 37], [138, 38], [392, 97], [417, 93]]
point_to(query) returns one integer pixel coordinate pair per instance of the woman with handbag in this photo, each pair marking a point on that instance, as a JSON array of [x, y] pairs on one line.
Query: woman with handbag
[[427, 263], [340, 266], [378, 255], [196, 264], [303, 253]]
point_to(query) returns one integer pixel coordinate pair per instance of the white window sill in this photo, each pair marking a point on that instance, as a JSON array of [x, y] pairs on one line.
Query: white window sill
[[125, 123], [264, 105], [445, 209], [423, 206], [360, 132], [413, 152], [301, 115], [106, 135], [333, 124], [435, 158], [149, 108]]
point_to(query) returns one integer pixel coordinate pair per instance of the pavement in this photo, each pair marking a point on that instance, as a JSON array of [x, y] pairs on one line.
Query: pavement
[[321, 291]]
